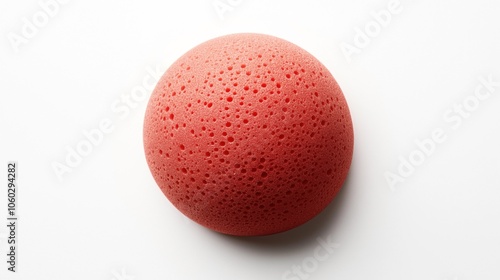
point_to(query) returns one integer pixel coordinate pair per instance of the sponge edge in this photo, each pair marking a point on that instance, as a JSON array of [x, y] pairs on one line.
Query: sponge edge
[[248, 134]]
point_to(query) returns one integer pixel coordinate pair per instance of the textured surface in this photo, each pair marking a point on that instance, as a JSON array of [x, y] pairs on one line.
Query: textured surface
[[248, 134]]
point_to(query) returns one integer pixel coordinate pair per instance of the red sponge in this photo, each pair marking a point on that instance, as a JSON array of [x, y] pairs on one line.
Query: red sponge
[[248, 134]]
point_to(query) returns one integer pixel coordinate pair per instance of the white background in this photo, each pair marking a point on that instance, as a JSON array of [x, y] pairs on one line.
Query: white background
[[107, 219]]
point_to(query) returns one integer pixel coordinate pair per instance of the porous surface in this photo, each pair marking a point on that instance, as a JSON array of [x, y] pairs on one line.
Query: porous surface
[[248, 134]]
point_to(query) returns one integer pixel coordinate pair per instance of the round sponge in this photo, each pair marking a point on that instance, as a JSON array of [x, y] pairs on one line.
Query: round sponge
[[248, 134]]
